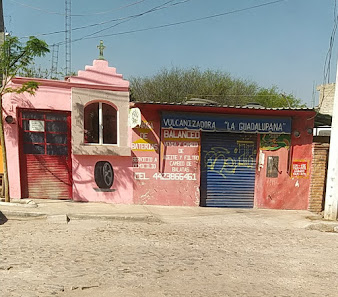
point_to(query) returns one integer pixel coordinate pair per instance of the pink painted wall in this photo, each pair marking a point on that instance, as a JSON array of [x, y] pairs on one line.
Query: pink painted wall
[[85, 188], [47, 97], [100, 74], [56, 95], [287, 191]]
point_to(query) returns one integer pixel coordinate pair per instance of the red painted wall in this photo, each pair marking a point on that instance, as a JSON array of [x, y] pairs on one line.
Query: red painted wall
[[166, 163], [161, 179], [287, 191]]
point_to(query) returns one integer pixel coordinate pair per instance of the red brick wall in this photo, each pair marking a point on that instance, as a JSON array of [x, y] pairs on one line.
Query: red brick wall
[[318, 178]]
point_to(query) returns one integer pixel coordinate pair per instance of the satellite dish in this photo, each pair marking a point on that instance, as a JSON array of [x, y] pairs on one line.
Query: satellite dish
[[134, 117]]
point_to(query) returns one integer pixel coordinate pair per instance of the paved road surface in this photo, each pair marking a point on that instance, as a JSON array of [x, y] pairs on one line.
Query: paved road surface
[[236, 253]]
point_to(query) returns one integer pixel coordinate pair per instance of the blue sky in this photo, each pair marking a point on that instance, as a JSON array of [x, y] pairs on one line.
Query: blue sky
[[283, 43]]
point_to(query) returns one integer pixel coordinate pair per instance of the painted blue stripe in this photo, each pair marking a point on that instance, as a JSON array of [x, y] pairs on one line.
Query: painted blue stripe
[[226, 123]]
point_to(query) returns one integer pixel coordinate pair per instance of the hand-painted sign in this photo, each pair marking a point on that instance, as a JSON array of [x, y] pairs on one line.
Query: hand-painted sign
[[145, 148], [274, 142], [180, 155], [226, 123], [146, 141], [300, 168], [104, 174]]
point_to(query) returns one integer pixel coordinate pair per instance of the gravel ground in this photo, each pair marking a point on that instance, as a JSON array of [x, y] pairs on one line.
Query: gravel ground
[[236, 255]]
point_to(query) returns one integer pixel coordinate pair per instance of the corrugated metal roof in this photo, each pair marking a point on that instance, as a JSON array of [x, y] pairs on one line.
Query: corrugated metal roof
[[224, 106]]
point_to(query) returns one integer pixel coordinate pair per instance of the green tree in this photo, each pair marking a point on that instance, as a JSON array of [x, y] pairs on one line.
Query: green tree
[[14, 57], [180, 85], [272, 97]]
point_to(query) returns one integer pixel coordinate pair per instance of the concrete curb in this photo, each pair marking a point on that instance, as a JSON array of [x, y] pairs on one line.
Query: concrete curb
[[324, 227], [16, 214], [29, 204], [137, 218], [9, 214]]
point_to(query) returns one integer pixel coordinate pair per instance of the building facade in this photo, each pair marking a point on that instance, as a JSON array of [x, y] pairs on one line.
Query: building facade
[[71, 140], [57, 137], [222, 156]]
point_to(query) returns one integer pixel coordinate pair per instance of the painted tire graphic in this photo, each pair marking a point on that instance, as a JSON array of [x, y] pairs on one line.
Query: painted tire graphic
[[104, 174]]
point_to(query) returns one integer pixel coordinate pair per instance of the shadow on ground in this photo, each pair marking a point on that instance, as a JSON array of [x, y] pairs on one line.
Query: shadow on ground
[[3, 218]]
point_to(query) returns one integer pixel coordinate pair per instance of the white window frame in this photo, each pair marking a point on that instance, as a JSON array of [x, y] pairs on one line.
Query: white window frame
[[101, 127]]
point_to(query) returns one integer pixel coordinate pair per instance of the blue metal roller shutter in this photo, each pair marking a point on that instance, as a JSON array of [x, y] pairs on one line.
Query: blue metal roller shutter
[[228, 166]]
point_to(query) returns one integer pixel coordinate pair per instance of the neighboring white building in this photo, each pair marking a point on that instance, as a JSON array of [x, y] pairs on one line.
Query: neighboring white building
[[325, 107], [326, 97]]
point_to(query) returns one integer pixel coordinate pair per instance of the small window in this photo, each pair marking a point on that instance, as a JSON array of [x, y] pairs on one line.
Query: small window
[[100, 124], [45, 133], [272, 167]]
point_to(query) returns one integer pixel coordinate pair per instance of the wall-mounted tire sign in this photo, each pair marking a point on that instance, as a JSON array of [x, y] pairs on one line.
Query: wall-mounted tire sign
[[104, 174]]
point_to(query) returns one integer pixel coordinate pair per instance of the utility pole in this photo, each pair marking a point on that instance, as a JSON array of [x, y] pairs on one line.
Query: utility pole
[[4, 191], [2, 25], [331, 197], [55, 61], [68, 36]]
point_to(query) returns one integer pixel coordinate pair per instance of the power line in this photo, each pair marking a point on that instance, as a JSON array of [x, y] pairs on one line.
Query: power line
[[112, 10], [77, 15], [68, 39], [240, 95], [327, 63], [141, 14], [181, 22], [113, 20]]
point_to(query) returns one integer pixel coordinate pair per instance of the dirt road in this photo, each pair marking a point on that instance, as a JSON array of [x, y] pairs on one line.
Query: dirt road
[[235, 255]]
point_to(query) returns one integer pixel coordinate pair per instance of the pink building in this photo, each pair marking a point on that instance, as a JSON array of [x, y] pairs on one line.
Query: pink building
[[71, 140]]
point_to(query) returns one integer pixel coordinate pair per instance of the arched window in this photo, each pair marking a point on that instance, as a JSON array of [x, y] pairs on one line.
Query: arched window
[[100, 123]]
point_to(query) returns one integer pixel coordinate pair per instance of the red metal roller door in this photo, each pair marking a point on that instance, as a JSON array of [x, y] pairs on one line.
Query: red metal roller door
[[45, 154]]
